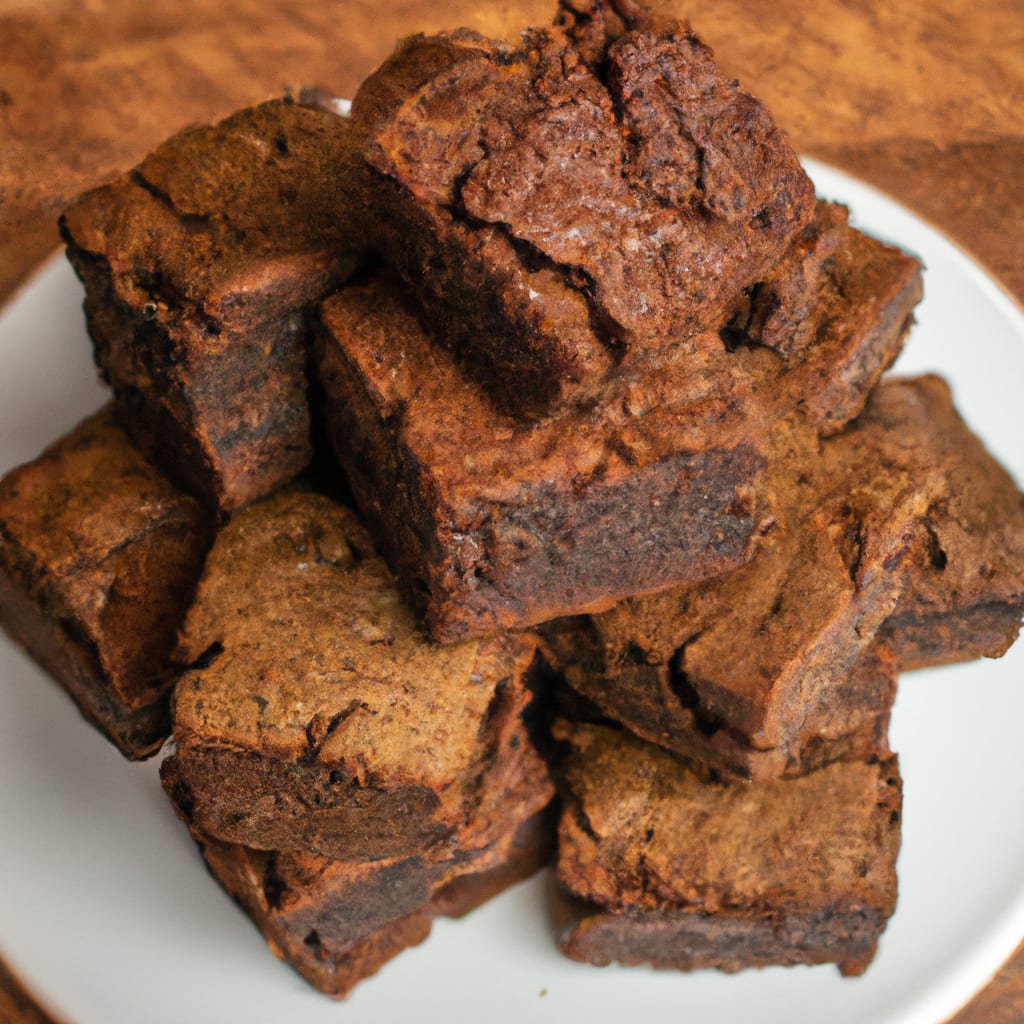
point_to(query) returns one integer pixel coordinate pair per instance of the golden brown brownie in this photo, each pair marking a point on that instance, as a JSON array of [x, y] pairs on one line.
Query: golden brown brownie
[[491, 521], [768, 670], [561, 211], [199, 265], [659, 866], [99, 556], [338, 922], [317, 715]]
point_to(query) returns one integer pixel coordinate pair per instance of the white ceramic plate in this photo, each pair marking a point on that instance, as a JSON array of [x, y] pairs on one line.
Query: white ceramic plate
[[108, 914]]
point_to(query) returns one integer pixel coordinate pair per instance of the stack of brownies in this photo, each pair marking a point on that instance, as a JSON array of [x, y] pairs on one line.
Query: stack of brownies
[[625, 509]]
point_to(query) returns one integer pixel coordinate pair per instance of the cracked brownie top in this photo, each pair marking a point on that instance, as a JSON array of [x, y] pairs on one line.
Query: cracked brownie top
[[565, 206]]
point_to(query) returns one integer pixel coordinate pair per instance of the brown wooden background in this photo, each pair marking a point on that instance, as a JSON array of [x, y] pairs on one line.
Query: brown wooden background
[[924, 98]]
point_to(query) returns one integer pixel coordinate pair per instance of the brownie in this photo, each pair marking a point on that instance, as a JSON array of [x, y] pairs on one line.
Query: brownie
[[966, 596], [657, 865], [774, 668], [491, 521], [199, 266], [315, 714], [337, 922], [836, 309], [562, 212], [99, 556]]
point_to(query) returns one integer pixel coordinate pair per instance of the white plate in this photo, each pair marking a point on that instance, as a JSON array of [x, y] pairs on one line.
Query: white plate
[[108, 914]]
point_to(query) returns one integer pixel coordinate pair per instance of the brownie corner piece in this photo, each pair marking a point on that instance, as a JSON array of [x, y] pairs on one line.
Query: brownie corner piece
[[99, 556], [659, 865], [315, 713], [199, 267]]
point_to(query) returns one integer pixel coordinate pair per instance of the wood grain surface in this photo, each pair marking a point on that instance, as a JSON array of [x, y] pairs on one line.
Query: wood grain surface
[[924, 98], [17, 1004]]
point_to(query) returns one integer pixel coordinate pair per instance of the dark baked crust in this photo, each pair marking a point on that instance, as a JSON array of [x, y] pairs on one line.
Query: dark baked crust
[[774, 668], [561, 215], [661, 866], [99, 556], [198, 267], [495, 522], [316, 715], [338, 922]]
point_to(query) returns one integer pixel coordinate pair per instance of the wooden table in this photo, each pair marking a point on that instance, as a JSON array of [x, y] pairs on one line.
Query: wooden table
[[924, 98]]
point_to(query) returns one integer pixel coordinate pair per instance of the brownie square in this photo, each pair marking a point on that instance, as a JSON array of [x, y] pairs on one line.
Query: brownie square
[[199, 266], [314, 714], [658, 865], [337, 922], [563, 209], [491, 521], [965, 598], [99, 557]]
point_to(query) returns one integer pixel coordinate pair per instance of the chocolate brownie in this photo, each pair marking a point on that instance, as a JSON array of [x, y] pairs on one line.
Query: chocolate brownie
[[494, 522], [316, 715], [99, 556], [836, 309], [198, 266], [337, 922], [966, 596], [562, 212], [659, 866], [491, 521], [768, 670]]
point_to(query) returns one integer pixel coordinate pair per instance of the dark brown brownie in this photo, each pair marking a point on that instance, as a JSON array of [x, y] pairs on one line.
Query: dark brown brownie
[[562, 212], [491, 521], [660, 866], [966, 596], [338, 922], [99, 556], [494, 522], [769, 670], [198, 266], [317, 715]]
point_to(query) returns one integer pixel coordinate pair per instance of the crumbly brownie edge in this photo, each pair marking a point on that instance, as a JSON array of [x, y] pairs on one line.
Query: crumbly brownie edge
[[197, 420], [242, 797], [863, 697]]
